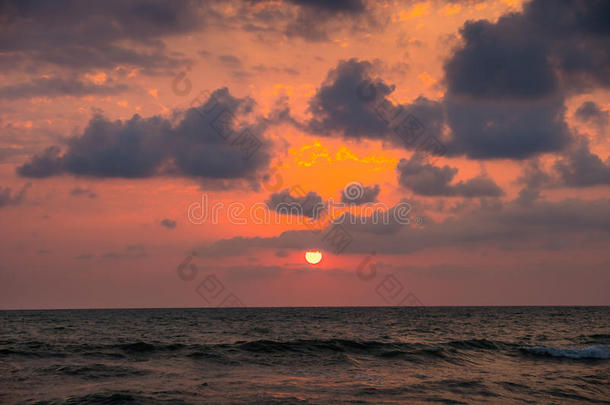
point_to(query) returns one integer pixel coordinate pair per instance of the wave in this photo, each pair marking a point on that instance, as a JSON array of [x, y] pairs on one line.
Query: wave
[[370, 346], [589, 352], [143, 347], [95, 371], [456, 351], [103, 398], [477, 344], [28, 353], [386, 349]]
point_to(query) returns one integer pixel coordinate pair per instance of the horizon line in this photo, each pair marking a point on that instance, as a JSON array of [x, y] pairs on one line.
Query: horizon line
[[310, 307]]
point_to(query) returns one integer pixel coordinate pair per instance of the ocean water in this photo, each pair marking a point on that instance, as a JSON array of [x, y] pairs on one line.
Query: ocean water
[[306, 356]]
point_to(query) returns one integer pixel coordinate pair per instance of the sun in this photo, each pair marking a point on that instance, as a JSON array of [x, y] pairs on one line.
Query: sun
[[313, 256]]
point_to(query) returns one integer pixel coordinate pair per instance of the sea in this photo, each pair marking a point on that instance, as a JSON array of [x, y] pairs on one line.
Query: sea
[[336, 355]]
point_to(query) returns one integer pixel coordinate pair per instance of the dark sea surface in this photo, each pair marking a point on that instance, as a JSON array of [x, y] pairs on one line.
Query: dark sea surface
[[306, 356]]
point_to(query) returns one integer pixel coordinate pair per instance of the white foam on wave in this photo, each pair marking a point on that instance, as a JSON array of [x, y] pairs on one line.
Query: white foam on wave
[[589, 352]]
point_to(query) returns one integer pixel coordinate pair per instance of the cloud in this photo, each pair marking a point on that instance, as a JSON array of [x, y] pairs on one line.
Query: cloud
[[78, 36], [590, 112], [507, 81], [7, 197], [581, 168], [133, 148], [348, 6], [56, 87], [208, 142], [497, 105], [48, 163], [337, 108], [275, 69], [79, 191], [494, 107], [499, 60], [515, 226], [314, 19], [577, 38], [377, 219], [168, 223], [482, 124], [576, 167], [534, 177], [309, 205], [357, 194], [530, 54], [282, 253], [429, 180], [130, 252], [484, 129], [230, 61], [353, 104], [374, 219]]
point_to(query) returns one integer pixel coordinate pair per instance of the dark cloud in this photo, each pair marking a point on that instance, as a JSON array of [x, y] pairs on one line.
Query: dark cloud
[[515, 226], [46, 164], [275, 69], [483, 129], [337, 108], [354, 104], [7, 197], [217, 145], [507, 81], [578, 38], [429, 113], [429, 180], [86, 36], [349, 6], [581, 168], [130, 252], [534, 177], [357, 194], [504, 111], [576, 167], [56, 86], [240, 74], [309, 205], [208, 142], [314, 19], [230, 61], [79, 191], [377, 219], [134, 148], [590, 112], [84, 256], [480, 186], [282, 253], [525, 55], [499, 60], [168, 223]]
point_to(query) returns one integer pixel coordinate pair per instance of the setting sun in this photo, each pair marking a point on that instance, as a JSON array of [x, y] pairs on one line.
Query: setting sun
[[313, 256]]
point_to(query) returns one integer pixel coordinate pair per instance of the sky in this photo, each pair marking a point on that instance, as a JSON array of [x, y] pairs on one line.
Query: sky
[[437, 152]]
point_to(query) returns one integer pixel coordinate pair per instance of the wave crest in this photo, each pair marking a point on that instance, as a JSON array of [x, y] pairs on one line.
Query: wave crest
[[589, 352]]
